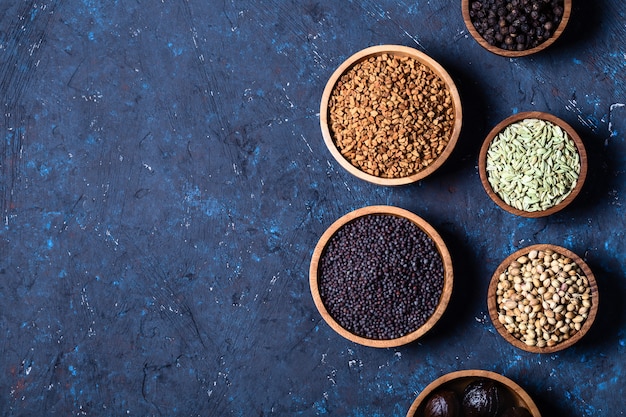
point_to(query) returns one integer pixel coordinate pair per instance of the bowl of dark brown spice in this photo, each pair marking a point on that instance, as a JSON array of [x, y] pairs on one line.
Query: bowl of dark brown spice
[[390, 115], [542, 298], [473, 392], [532, 164], [381, 276], [514, 28]]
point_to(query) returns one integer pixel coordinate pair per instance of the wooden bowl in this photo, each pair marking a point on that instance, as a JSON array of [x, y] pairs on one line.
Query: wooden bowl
[[400, 51], [482, 163], [319, 251], [567, 10], [493, 308], [457, 381]]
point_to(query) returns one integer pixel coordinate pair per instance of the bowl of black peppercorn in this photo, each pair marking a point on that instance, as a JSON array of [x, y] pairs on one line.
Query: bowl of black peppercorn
[[514, 28], [381, 276], [473, 392]]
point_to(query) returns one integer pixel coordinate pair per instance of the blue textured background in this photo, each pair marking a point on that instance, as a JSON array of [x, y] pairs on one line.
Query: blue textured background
[[163, 182]]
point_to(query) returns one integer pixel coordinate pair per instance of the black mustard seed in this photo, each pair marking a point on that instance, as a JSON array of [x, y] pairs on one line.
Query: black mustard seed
[[381, 277], [516, 25]]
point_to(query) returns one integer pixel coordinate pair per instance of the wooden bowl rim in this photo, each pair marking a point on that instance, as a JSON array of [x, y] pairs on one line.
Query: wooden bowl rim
[[571, 132], [397, 50], [493, 309], [567, 11], [419, 222], [521, 397]]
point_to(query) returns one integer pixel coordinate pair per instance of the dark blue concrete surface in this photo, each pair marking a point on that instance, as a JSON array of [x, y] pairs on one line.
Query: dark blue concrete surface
[[163, 182]]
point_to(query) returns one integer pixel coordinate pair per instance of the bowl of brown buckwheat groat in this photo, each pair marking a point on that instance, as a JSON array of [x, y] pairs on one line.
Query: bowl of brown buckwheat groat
[[381, 276], [390, 115], [514, 28], [542, 298]]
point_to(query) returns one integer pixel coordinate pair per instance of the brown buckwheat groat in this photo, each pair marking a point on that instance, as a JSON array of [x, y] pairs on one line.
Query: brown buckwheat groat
[[391, 116]]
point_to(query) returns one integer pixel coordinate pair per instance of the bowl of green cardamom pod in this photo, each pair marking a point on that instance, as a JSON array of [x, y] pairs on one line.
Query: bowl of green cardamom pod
[[532, 164]]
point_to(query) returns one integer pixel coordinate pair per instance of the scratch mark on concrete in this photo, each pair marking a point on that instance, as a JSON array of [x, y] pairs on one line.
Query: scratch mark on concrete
[[574, 108], [612, 133], [307, 143]]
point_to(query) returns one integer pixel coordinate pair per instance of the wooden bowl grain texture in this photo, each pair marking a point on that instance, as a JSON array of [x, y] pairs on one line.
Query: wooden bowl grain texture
[[493, 308], [401, 51], [457, 381], [567, 10], [482, 163], [422, 224]]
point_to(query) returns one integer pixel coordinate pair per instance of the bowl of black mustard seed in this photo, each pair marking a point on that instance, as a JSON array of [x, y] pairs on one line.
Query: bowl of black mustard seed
[[514, 28], [381, 276]]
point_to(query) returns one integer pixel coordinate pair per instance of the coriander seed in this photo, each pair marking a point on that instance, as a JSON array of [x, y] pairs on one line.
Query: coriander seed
[[544, 299]]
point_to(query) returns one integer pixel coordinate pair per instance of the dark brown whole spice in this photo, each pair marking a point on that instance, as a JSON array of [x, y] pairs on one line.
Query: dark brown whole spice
[[483, 398], [444, 403]]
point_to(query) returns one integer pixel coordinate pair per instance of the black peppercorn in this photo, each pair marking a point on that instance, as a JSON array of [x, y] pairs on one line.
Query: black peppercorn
[[532, 21]]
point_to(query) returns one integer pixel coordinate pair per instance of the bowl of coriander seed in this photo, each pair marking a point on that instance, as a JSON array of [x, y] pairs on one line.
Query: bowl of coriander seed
[[532, 164], [542, 298], [390, 115]]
